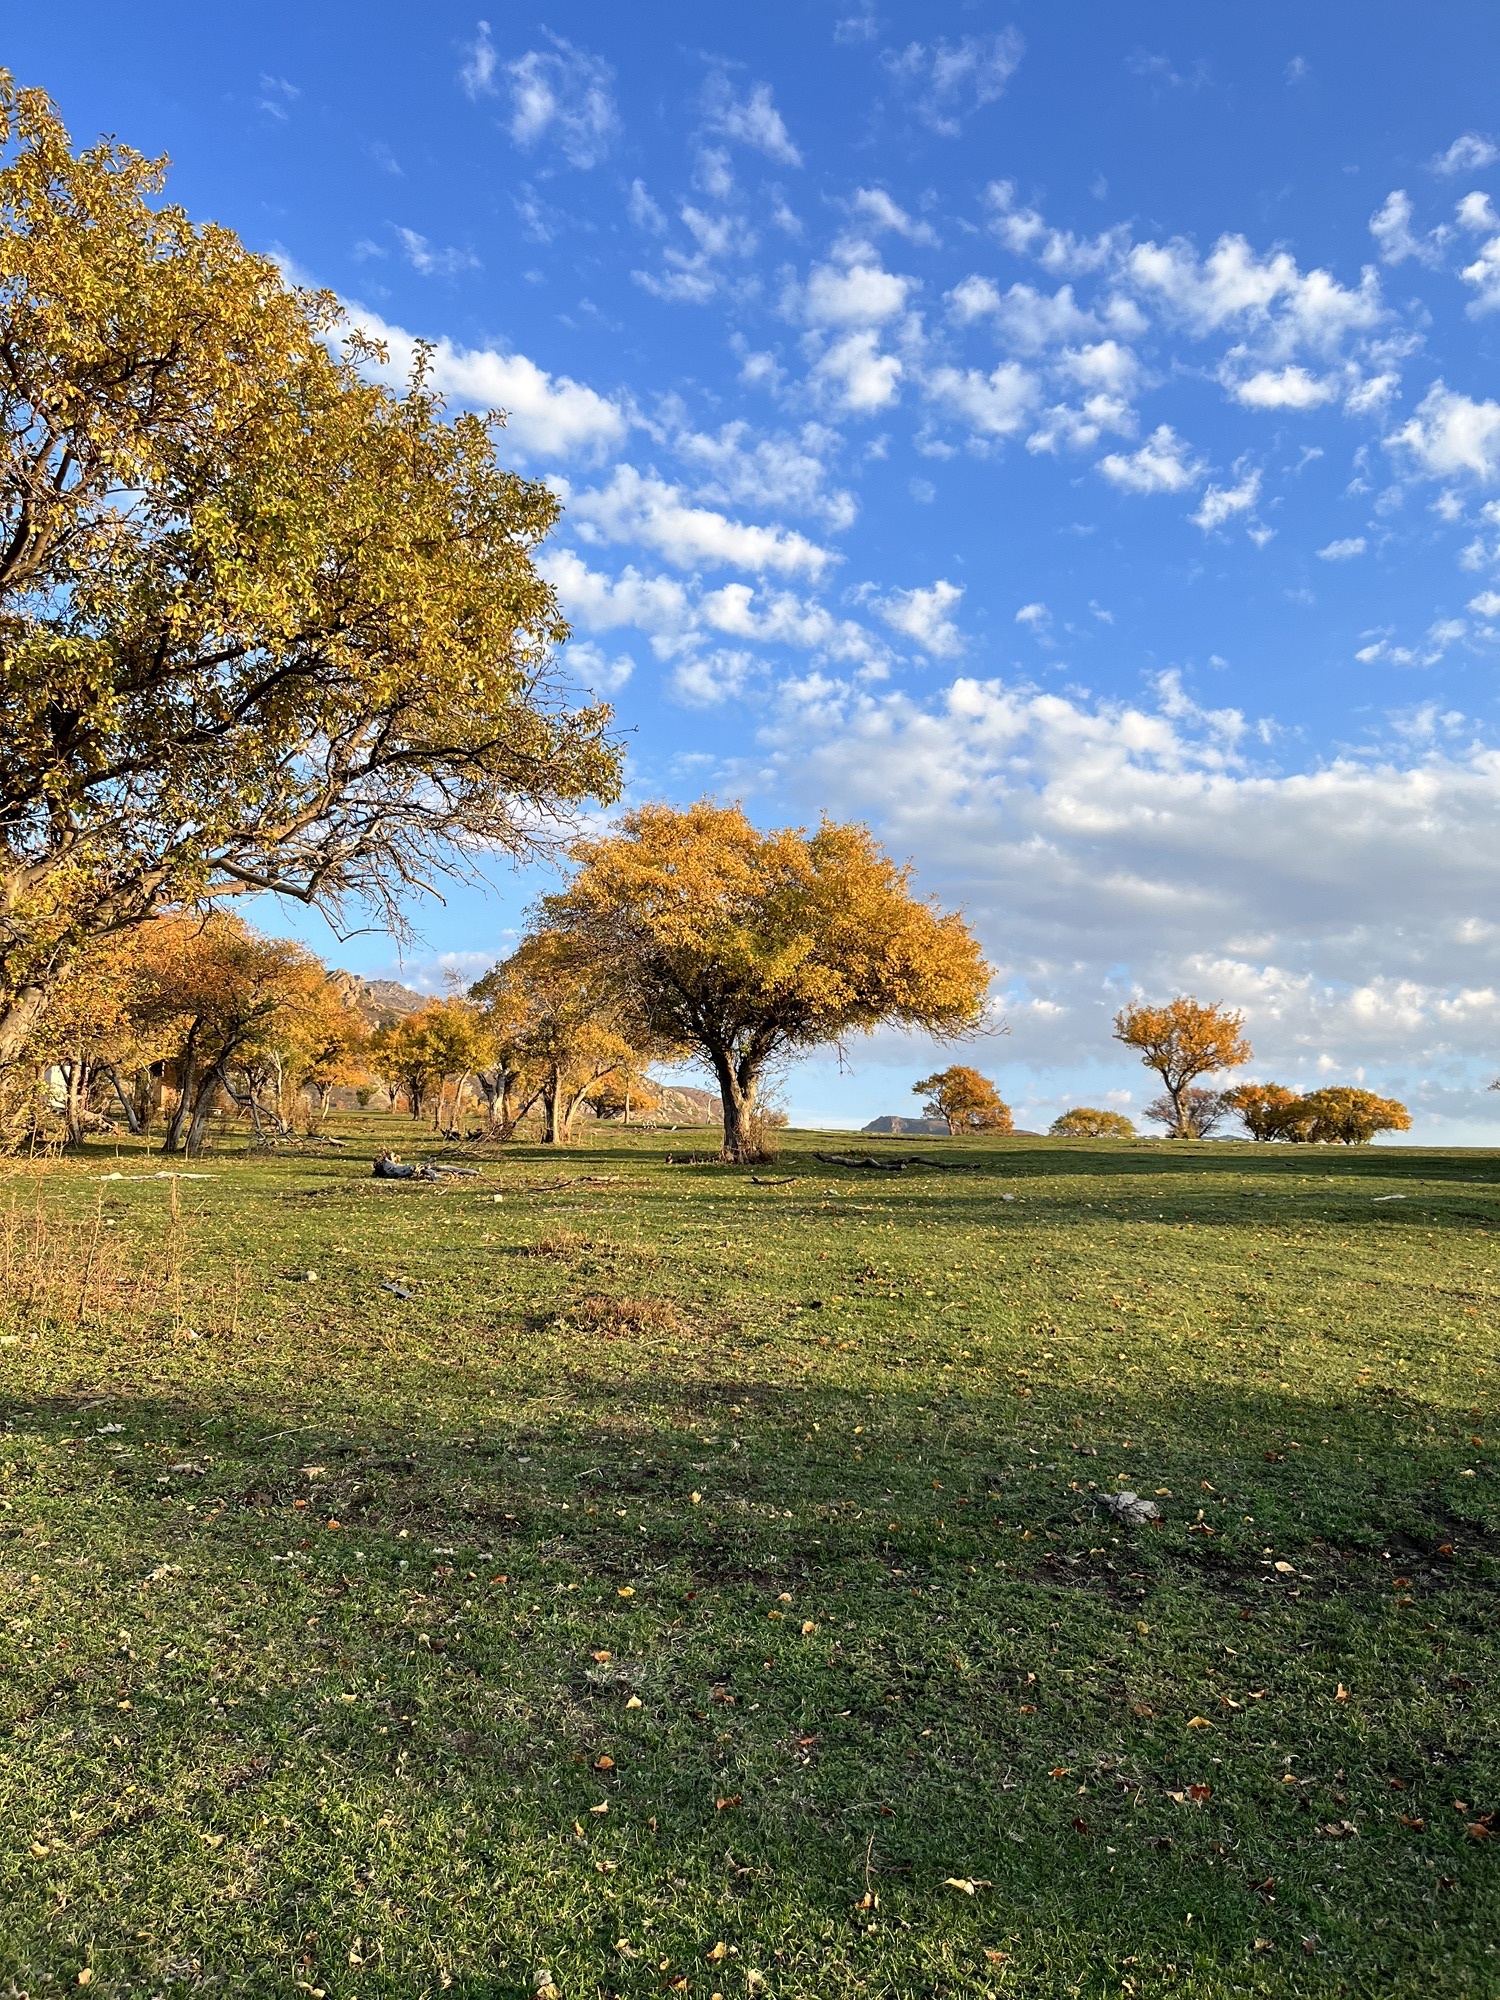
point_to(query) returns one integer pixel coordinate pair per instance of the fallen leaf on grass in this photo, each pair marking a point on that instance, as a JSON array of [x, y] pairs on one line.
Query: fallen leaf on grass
[[962, 1882], [603, 1808], [601, 1657], [720, 1950], [604, 1763], [625, 1590], [808, 1626], [997, 1957], [1341, 1693], [1199, 1722], [724, 1805], [1416, 1825], [634, 1701]]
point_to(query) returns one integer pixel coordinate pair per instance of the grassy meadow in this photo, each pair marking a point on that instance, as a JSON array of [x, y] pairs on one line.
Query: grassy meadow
[[622, 1575]]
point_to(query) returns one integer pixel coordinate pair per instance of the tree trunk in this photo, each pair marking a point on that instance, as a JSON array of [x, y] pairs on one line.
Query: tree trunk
[[76, 1080], [127, 1102], [187, 1091], [18, 1016], [202, 1110], [737, 1096], [552, 1101]]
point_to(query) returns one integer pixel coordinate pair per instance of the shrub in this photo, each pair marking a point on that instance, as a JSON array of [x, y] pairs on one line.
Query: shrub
[[1086, 1123]]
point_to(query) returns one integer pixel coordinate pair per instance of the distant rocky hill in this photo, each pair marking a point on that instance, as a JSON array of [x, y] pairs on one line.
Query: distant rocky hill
[[681, 1105], [896, 1127], [379, 1002]]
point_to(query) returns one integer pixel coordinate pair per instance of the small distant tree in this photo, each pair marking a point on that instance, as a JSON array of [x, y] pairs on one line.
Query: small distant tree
[[1182, 1041], [1086, 1123], [748, 947], [1267, 1110], [968, 1101], [1346, 1117], [1195, 1113]]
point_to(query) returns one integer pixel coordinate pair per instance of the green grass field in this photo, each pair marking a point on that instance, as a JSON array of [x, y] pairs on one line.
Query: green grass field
[[699, 1586]]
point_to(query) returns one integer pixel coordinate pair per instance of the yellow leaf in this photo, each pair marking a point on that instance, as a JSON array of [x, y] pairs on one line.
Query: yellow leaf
[[959, 1882], [603, 1808], [1199, 1722], [625, 1590], [808, 1626], [634, 1701], [720, 1950]]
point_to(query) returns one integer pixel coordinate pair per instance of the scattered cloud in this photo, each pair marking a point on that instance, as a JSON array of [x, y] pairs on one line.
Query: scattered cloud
[[1343, 550], [737, 467], [878, 211], [857, 375], [1390, 225], [561, 95], [1469, 154], [924, 616], [1037, 616], [949, 81], [1290, 388], [547, 416], [593, 668], [996, 405], [1163, 464], [277, 97], [642, 509], [1223, 503], [1451, 434], [432, 262], [750, 121]]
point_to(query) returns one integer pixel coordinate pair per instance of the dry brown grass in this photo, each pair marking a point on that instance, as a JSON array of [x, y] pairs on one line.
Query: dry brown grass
[[612, 1317]]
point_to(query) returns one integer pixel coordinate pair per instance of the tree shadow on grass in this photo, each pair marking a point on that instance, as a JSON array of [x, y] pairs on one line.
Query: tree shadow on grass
[[360, 1753]]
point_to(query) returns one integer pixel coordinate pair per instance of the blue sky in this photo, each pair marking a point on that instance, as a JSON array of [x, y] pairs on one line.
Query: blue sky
[[1061, 436]]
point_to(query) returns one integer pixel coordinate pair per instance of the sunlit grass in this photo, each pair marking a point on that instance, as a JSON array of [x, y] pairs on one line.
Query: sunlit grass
[[689, 1563]]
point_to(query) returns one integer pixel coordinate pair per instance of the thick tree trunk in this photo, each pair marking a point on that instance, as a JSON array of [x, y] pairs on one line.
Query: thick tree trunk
[[78, 1077], [18, 1016], [737, 1095], [203, 1105], [552, 1104]]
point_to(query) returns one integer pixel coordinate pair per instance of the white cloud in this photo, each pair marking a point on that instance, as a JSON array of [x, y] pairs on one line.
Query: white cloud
[[643, 211], [1025, 233], [547, 416], [1484, 275], [923, 615], [1343, 550], [1222, 503], [1390, 225], [434, 263], [1290, 388], [1450, 434], [751, 121], [858, 293], [858, 376], [948, 81], [642, 509], [1162, 465], [780, 618], [1486, 604], [595, 669], [708, 679], [739, 468], [879, 211], [1467, 155], [659, 606], [561, 94], [995, 405], [1232, 286], [1343, 906], [1037, 616], [478, 73]]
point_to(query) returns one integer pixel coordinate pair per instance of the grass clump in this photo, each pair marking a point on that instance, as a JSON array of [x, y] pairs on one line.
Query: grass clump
[[401, 1642]]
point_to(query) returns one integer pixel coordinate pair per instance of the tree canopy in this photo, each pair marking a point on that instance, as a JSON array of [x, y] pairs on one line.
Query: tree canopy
[[263, 623], [1085, 1123], [968, 1101], [1181, 1041], [746, 947]]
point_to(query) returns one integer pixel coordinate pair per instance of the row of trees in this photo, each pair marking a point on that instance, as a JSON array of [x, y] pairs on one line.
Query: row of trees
[[1336, 1116]]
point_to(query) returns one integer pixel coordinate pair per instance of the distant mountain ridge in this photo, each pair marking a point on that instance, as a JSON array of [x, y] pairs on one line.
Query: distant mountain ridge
[[379, 1002]]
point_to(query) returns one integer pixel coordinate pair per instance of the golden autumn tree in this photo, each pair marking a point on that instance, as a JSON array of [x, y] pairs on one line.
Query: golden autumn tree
[[968, 1101], [748, 947], [1344, 1116], [1084, 1122], [264, 624], [1267, 1110], [1181, 1041]]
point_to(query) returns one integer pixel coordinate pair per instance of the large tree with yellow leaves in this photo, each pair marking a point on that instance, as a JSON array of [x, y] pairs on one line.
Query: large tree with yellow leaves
[[746, 947], [263, 624]]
